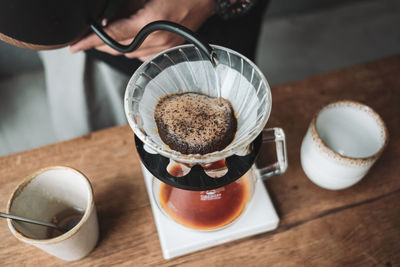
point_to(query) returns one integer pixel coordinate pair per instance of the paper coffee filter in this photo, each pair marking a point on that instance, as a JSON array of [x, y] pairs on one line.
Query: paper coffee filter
[[184, 69]]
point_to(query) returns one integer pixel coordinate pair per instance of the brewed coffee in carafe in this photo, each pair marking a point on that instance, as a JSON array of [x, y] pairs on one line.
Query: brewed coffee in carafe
[[205, 210]]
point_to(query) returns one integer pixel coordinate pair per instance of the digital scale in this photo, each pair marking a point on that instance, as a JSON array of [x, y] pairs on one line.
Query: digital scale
[[176, 240]]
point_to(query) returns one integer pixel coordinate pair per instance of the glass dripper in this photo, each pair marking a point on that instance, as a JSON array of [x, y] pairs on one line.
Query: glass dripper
[[185, 69]]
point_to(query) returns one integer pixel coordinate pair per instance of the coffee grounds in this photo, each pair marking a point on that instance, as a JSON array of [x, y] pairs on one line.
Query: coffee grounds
[[193, 123]]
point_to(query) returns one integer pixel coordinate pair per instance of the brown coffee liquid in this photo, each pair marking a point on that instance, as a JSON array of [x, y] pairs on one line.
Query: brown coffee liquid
[[63, 218], [216, 165], [193, 123], [205, 210]]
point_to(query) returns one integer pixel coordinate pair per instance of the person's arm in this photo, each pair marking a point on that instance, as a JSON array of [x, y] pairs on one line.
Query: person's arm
[[189, 13]]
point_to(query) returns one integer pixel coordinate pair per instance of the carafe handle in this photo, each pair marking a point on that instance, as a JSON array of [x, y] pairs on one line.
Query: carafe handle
[[276, 135]]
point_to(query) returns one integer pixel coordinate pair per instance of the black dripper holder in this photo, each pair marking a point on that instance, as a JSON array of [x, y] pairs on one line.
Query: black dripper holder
[[197, 179]]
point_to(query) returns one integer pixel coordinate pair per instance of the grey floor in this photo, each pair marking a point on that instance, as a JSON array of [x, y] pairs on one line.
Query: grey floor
[[297, 41]]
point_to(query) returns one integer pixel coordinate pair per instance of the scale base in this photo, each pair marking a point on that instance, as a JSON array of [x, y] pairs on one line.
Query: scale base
[[177, 240]]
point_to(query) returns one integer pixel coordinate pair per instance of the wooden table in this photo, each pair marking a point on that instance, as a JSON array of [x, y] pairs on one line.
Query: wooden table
[[358, 226]]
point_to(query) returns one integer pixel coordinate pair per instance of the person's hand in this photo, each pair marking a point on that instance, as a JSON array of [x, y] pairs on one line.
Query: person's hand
[[189, 13]]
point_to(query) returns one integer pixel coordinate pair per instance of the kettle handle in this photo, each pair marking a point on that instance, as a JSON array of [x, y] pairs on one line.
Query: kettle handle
[[162, 25]]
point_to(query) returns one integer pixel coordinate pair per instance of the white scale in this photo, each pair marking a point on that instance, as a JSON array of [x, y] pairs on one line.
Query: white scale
[[177, 240]]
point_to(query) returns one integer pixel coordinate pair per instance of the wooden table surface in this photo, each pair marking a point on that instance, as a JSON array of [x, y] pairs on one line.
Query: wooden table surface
[[359, 226]]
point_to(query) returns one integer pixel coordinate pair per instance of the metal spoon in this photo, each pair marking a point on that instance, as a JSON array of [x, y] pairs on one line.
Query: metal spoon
[[65, 228]]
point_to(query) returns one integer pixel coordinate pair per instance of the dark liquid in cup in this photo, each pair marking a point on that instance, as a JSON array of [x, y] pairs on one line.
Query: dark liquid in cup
[[68, 217], [204, 210], [193, 123]]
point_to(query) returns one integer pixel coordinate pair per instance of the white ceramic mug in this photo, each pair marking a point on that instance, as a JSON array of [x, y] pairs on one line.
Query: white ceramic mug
[[342, 143], [56, 192]]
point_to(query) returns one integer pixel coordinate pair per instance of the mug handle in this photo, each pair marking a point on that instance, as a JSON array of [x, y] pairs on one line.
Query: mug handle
[[276, 135]]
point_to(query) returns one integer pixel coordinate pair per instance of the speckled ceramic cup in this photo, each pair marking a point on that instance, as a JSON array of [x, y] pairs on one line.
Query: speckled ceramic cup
[[342, 143], [56, 194]]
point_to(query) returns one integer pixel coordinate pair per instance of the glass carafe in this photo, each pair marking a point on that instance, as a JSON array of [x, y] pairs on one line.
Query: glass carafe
[[186, 69]]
